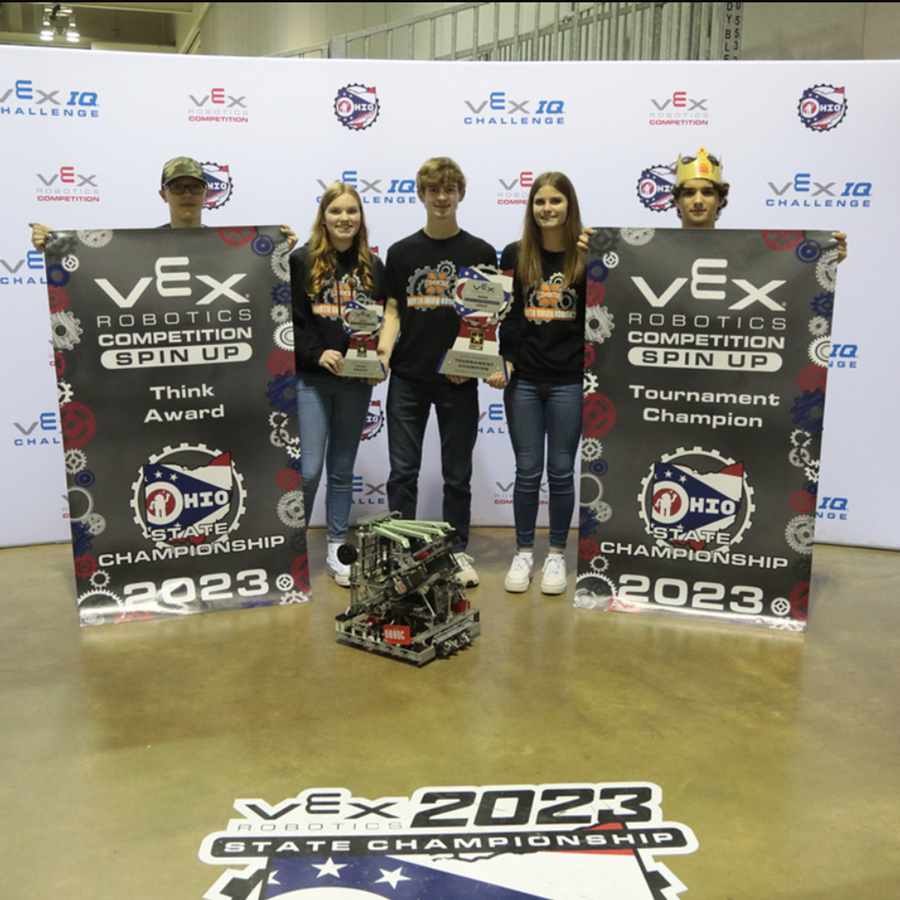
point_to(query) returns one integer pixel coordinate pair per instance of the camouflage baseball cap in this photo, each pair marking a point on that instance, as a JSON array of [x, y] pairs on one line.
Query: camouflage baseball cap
[[182, 166]]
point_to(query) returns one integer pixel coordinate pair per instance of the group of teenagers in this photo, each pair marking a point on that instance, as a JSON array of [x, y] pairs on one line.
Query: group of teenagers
[[541, 343]]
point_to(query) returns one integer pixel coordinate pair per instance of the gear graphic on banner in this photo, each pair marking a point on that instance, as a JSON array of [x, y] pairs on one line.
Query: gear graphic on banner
[[800, 534], [76, 461], [95, 238], [599, 415], [280, 264], [280, 314], [591, 449], [290, 509], [65, 329], [637, 237], [595, 591], [282, 391], [598, 324], [284, 335], [262, 245], [826, 269]]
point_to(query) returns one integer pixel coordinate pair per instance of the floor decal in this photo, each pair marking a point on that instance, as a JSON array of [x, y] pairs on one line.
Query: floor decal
[[509, 842]]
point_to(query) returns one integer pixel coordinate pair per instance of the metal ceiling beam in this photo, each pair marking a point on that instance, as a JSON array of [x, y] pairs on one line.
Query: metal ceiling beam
[[180, 9]]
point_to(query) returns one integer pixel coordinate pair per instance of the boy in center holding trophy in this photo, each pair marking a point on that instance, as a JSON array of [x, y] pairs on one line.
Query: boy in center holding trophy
[[421, 324]]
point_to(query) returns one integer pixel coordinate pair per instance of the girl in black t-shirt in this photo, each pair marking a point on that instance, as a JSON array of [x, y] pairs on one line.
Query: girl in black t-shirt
[[542, 340], [334, 268]]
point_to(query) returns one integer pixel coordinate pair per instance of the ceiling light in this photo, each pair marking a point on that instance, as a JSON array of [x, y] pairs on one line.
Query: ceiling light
[[59, 21]]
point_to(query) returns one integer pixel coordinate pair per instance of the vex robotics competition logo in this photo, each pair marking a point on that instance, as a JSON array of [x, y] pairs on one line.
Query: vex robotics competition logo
[[176, 500], [216, 105], [356, 107], [515, 842], [515, 191], [68, 186], [822, 107], [696, 497], [679, 109]]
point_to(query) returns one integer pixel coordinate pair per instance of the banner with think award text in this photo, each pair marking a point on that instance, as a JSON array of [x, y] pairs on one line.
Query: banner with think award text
[[706, 357], [175, 364]]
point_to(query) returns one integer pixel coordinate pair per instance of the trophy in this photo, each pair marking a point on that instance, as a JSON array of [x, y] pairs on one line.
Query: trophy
[[362, 321], [483, 296]]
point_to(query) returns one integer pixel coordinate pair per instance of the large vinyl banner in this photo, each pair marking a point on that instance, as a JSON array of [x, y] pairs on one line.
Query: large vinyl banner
[[65, 113], [174, 355], [706, 363]]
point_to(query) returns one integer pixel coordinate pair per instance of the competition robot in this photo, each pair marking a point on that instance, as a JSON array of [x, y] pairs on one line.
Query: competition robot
[[406, 599]]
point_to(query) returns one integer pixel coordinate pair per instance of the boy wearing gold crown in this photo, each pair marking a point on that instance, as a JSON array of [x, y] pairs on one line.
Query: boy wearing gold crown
[[699, 192]]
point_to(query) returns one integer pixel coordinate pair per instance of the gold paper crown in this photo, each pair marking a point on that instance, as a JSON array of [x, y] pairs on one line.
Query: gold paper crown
[[700, 166]]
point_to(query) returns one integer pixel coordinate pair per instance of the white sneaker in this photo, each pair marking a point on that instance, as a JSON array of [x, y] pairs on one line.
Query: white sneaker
[[466, 576], [334, 567], [553, 580], [519, 575]]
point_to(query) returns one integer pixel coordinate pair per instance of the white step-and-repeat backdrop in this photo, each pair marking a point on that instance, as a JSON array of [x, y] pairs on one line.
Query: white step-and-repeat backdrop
[[804, 145]]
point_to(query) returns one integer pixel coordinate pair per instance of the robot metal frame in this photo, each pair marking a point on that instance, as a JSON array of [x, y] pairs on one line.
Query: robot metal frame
[[405, 600]]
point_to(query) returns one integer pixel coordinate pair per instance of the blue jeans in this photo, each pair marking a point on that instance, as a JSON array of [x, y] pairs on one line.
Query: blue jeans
[[332, 416], [535, 411], [408, 406]]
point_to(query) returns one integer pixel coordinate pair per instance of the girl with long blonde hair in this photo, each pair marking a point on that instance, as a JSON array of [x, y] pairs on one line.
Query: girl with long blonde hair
[[335, 267]]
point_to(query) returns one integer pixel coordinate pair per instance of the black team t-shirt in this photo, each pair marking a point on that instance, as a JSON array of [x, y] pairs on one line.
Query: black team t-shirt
[[421, 275]]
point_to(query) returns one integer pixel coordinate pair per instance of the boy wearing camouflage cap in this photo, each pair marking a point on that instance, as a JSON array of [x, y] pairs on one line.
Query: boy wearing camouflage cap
[[183, 186]]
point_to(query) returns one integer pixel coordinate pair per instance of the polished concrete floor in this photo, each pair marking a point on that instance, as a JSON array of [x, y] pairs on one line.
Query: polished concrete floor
[[123, 746]]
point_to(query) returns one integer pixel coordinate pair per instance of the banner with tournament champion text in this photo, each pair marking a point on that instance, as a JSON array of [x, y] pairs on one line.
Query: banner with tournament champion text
[[175, 364], [706, 356]]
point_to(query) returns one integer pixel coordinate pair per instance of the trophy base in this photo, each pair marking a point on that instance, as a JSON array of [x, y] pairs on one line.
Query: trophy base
[[368, 366], [467, 364]]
